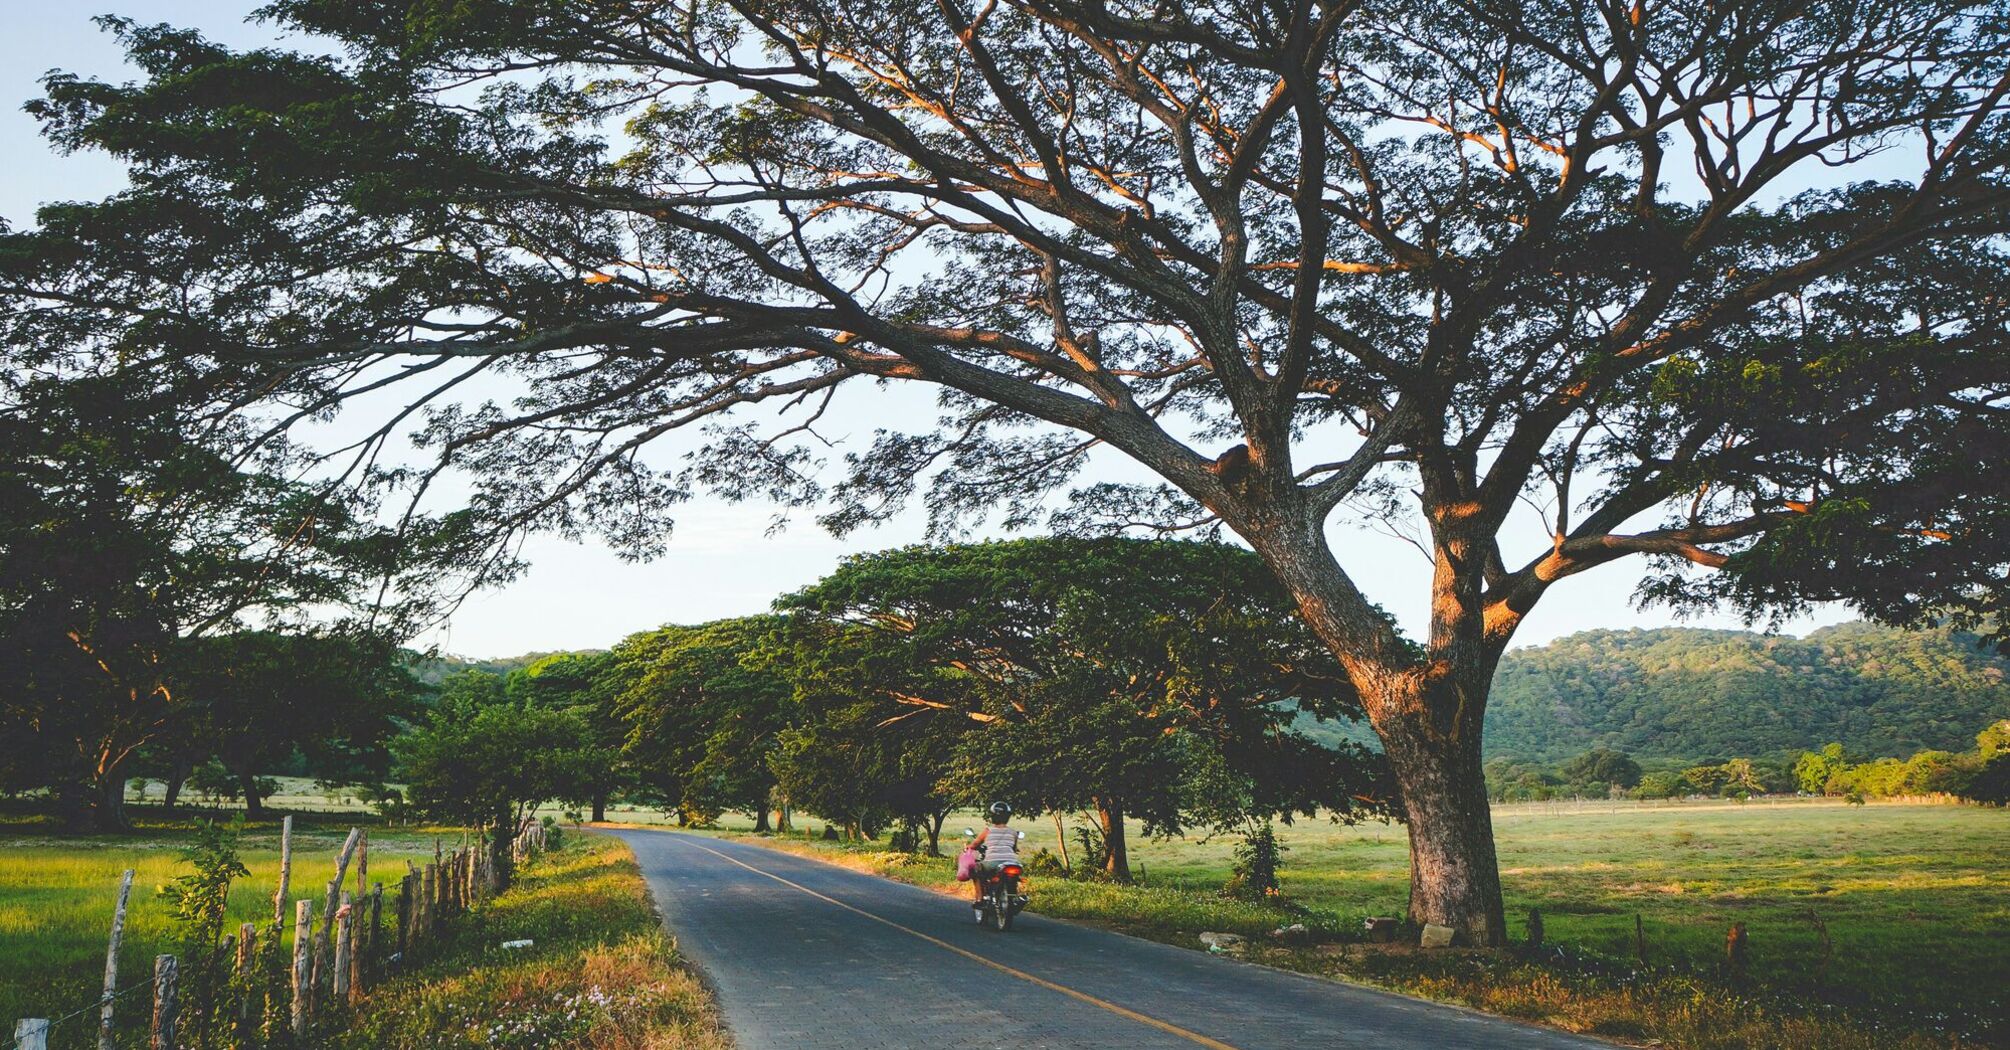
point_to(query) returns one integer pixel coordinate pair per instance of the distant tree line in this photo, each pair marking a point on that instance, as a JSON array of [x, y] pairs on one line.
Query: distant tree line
[[1981, 775]]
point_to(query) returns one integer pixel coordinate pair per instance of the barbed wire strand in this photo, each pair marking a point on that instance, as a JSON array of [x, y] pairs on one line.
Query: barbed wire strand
[[95, 1004]]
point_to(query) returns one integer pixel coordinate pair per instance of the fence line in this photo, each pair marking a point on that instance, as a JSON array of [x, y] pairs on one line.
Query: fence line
[[330, 967]]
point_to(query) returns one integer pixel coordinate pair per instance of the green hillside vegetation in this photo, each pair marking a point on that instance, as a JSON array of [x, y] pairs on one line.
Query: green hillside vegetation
[[1695, 694]]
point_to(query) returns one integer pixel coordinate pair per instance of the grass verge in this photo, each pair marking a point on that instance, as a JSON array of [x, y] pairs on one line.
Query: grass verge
[[1676, 1007], [600, 973]]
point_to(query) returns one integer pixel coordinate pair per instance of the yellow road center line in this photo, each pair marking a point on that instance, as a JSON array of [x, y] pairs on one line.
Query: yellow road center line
[[1132, 1015]]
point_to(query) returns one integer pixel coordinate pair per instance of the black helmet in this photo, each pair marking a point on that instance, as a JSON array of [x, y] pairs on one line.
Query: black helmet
[[999, 812]]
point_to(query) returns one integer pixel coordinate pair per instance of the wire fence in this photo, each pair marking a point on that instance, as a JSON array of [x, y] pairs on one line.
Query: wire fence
[[95, 1008]]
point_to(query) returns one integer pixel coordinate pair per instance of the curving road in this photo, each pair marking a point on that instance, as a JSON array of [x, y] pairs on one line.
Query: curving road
[[808, 956]]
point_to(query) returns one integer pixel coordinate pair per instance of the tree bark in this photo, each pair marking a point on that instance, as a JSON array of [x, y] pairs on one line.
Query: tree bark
[[1117, 862], [172, 784], [761, 818], [1428, 707], [600, 807], [935, 832], [254, 806], [501, 840], [1454, 874], [108, 811]]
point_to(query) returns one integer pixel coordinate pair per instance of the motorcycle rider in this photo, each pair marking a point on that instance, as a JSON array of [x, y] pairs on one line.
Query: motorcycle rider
[[998, 844]]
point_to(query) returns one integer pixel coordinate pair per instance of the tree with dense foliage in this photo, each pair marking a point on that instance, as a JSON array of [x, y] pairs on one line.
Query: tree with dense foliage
[[1115, 675], [485, 760], [1678, 692], [252, 699], [1415, 263], [585, 685], [701, 718], [1602, 767], [127, 536], [1814, 769]]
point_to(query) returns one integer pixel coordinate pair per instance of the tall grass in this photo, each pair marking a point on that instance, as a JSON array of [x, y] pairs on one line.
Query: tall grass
[[57, 894]]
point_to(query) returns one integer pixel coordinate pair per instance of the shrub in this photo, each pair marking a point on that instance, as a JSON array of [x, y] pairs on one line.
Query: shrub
[[1253, 876]]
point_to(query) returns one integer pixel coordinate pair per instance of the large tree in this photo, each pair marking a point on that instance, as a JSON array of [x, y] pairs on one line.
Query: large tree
[[1157, 680], [253, 699], [1415, 262], [701, 718], [584, 684], [129, 535]]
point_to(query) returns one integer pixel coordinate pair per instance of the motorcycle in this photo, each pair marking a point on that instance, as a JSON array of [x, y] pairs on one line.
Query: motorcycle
[[999, 899]]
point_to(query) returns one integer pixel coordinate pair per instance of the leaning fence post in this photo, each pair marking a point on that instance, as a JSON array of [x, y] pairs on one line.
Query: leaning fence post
[[166, 1004], [31, 1033], [345, 919], [112, 963], [303, 973], [285, 870]]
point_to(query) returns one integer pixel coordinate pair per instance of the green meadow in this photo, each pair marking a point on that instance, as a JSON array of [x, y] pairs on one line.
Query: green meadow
[[57, 893]]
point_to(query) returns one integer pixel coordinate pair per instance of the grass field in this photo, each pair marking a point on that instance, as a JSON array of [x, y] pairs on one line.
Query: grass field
[[1914, 901], [57, 893]]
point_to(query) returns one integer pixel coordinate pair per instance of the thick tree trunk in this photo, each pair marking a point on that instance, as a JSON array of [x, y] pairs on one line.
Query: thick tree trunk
[[935, 832], [761, 818], [600, 807], [1117, 864], [108, 811], [1428, 709], [1454, 876], [254, 807], [175, 779]]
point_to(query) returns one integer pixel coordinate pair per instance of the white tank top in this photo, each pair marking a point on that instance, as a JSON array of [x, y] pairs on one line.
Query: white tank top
[[1001, 845]]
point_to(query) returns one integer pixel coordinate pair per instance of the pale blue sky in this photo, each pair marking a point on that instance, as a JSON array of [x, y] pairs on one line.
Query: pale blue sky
[[721, 561]]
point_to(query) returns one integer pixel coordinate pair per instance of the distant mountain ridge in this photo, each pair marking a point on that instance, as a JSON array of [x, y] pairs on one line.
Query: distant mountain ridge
[[1677, 692]]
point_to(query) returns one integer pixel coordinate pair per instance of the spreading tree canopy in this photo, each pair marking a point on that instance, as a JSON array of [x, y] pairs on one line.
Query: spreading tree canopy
[[700, 718], [1153, 679], [1411, 262]]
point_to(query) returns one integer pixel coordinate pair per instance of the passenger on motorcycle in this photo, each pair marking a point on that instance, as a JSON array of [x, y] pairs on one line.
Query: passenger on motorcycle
[[998, 844]]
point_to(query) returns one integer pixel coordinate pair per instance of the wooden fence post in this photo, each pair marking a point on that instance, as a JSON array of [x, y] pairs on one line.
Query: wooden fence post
[[167, 1004], [427, 897], [321, 972], [31, 1033], [376, 929], [105, 1041], [345, 919], [303, 973], [285, 870], [247, 981], [341, 875], [404, 916], [359, 910]]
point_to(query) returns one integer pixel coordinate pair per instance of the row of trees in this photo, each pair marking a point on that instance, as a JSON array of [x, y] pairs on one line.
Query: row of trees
[[1981, 775], [1152, 680]]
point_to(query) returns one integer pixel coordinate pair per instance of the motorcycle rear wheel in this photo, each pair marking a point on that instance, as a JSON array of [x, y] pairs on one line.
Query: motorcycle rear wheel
[[1001, 912]]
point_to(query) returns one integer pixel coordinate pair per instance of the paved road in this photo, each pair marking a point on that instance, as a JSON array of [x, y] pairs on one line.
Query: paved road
[[808, 956]]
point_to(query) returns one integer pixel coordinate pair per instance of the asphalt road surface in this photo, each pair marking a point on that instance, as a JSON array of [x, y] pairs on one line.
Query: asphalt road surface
[[809, 956]]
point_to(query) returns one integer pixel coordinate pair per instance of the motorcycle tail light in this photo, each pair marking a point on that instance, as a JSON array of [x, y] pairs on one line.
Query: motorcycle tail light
[[1014, 870]]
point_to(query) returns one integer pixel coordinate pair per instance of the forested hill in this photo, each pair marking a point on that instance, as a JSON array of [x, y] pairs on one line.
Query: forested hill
[[1697, 694]]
